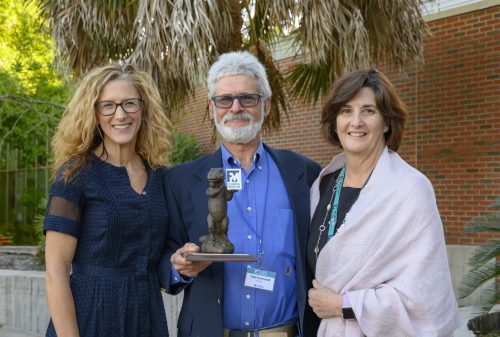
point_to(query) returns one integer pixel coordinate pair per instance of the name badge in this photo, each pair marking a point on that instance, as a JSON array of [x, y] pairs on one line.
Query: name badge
[[233, 179], [260, 279]]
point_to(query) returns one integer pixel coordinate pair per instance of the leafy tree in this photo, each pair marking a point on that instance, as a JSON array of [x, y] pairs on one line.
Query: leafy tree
[[31, 91], [32, 96], [176, 41]]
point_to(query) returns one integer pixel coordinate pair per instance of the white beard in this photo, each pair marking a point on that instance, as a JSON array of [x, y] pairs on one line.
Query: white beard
[[240, 135]]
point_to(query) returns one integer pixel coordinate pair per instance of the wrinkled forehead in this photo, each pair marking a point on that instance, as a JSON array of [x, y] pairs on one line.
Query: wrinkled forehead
[[236, 84]]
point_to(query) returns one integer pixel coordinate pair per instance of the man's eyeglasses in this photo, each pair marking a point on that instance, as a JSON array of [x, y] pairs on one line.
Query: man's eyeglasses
[[246, 100], [107, 108]]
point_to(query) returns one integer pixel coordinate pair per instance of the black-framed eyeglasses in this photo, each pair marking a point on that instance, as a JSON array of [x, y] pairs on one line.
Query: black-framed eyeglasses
[[246, 100], [107, 108]]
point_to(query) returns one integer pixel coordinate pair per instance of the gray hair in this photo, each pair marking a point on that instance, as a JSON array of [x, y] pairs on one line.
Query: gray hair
[[238, 63]]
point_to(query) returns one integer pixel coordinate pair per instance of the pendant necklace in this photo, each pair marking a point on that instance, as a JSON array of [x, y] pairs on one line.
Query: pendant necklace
[[335, 194], [334, 202]]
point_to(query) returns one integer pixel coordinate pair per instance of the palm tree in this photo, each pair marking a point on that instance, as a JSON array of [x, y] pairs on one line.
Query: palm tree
[[485, 262], [177, 40]]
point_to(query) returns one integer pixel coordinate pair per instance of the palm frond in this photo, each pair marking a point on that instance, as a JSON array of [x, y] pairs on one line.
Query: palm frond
[[273, 19], [335, 39], [177, 41], [485, 253], [232, 42], [333, 28], [396, 30], [265, 24], [484, 262], [276, 81], [496, 204], [487, 223], [88, 33], [477, 277], [344, 36], [488, 298], [308, 81]]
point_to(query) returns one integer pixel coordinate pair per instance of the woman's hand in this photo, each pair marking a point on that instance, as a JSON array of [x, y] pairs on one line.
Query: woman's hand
[[324, 302], [184, 267]]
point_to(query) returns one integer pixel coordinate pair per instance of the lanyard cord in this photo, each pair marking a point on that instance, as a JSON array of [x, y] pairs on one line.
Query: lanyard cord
[[334, 203], [333, 216]]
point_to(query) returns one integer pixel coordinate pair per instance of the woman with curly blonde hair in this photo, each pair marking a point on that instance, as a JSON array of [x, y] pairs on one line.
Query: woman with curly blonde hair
[[106, 216]]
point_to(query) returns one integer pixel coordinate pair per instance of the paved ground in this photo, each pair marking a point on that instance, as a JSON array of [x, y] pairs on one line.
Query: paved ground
[[466, 314], [6, 332], [461, 332]]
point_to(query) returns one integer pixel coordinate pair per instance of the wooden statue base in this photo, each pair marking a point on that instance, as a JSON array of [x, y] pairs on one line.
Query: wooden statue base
[[214, 257]]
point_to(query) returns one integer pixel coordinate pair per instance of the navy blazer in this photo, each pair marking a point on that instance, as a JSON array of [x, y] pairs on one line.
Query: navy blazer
[[187, 201]]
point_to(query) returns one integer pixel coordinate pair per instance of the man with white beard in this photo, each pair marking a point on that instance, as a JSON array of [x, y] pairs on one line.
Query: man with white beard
[[269, 219]]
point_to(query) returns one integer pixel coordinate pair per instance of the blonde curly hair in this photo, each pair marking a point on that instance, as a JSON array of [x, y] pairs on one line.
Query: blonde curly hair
[[77, 134]]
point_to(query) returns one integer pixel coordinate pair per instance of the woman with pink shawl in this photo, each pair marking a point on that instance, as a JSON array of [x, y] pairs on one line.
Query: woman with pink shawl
[[376, 239]]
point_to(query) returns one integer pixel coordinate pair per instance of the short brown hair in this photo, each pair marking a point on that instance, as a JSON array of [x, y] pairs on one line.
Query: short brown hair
[[390, 105]]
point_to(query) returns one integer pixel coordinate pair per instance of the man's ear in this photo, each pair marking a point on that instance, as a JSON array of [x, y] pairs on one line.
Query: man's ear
[[210, 109], [267, 106]]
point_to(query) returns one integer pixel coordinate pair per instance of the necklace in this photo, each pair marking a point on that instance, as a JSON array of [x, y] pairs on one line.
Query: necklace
[[322, 227], [334, 203], [333, 218]]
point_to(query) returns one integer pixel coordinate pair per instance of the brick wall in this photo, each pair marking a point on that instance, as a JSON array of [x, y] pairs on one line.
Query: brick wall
[[453, 133]]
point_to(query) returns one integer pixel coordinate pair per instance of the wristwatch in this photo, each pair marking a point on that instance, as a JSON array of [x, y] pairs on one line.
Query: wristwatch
[[347, 313]]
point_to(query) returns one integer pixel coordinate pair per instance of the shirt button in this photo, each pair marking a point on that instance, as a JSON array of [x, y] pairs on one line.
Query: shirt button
[[249, 237], [248, 181], [143, 192], [249, 208], [247, 296], [247, 323]]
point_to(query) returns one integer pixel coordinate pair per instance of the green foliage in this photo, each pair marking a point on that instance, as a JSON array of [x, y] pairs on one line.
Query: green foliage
[[31, 91], [184, 148], [40, 217], [484, 262], [309, 81], [21, 234], [32, 97], [495, 333]]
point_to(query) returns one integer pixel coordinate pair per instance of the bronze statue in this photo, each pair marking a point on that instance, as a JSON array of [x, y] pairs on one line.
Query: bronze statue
[[218, 195]]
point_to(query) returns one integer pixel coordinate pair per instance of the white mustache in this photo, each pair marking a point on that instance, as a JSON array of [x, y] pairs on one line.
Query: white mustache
[[235, 117]]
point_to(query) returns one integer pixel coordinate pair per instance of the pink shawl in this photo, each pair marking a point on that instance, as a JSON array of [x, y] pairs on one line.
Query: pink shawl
[[389, 257]]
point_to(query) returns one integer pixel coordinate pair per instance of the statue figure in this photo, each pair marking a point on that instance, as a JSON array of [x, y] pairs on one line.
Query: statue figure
[[218, 195]]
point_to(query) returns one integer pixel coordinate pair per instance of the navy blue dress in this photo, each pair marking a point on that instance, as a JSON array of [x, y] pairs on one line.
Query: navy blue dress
[[121, 234]]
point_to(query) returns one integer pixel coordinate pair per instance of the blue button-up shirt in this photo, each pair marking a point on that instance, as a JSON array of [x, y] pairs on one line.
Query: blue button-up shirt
[[260, 221]]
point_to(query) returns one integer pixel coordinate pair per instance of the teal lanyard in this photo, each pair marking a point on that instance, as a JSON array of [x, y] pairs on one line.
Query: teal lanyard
[[333, 216], [336, 199]]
